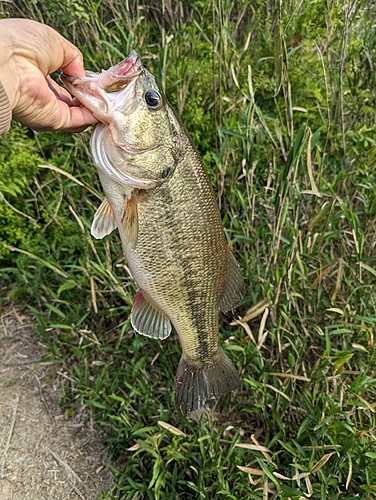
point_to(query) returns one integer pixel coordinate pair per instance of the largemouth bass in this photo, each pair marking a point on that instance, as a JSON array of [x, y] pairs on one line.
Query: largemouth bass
[[159, 197]]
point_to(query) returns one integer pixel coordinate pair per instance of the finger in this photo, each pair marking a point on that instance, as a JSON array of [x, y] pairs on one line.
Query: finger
[[59, 92], [45, 47], [79, 118], [72, 63], [60, 116]]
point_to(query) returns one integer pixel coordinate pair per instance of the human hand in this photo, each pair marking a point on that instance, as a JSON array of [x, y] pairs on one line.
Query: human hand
[[29, 52]]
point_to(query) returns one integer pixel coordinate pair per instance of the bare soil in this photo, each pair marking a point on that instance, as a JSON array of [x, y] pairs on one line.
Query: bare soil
[[43, 455]]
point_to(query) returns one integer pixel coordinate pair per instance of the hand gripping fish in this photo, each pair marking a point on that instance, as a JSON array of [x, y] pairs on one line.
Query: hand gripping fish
[[159, 197]]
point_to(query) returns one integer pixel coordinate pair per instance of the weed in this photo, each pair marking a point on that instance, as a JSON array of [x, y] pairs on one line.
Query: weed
[[280, 100]]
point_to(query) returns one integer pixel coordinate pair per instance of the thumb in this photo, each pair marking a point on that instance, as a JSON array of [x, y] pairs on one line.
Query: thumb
[[72, 59]]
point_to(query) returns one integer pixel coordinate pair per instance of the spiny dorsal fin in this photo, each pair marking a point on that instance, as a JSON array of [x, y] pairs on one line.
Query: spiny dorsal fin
[[104, 221], [130, 219], [147, 320], [233, 289]]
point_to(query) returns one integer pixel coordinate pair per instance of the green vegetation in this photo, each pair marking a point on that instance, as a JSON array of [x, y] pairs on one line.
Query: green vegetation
[[280, 100]]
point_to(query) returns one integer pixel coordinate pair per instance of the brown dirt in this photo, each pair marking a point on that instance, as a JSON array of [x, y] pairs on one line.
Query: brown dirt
[[43, 455]]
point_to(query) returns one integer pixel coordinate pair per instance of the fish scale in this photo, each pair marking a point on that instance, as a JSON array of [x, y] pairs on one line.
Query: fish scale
[[159, 197], [191, 255]]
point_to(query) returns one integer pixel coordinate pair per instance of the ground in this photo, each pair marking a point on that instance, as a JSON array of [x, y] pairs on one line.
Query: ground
[[43, 454]]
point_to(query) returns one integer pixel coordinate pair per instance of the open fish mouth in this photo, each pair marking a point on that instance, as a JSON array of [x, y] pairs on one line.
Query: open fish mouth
[[111, 80], [101, 92]]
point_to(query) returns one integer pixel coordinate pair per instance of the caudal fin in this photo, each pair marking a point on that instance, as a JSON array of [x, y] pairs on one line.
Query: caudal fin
[[197, 382]]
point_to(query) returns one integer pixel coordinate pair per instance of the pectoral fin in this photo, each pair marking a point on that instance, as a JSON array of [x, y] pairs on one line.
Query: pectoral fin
[[147, 320], [104, 221], [234, 289], [130, 219]]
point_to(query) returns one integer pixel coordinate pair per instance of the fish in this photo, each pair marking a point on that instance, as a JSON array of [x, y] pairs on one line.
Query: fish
[[159, 197]]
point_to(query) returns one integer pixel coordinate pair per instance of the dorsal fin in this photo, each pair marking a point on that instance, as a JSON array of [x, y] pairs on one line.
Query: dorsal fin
[[234, 288]]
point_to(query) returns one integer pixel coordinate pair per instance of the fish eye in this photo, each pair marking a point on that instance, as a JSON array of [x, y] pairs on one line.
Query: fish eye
[[153, 99]]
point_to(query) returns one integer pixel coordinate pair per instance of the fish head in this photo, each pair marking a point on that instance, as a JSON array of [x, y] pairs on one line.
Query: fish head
[[104, 92], [141, 141]]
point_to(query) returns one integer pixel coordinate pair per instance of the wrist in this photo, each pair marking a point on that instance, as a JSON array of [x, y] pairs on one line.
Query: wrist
[[9, 74], [5, 111], [9, 89]]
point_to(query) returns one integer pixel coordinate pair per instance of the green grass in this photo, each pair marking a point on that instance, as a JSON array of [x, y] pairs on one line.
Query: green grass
[[281, 102]]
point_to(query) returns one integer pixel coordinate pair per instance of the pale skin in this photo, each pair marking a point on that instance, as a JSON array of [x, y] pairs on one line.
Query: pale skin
[[29, 53]]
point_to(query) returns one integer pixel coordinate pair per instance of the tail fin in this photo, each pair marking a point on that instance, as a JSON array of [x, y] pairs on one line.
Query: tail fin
[[197, 382]]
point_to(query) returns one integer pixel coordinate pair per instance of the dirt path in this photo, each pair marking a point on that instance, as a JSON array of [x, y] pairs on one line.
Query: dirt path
[[43, 455]]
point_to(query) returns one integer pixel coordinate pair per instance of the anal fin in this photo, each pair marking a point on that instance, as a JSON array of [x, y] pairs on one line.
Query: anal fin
[[147, 320], [104, 221]]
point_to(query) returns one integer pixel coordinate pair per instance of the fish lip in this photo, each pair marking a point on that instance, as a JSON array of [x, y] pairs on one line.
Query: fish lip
[[76, 80], [130, 67]]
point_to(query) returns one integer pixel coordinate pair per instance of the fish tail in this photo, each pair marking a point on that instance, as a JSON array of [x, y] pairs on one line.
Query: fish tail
[[197, 382]]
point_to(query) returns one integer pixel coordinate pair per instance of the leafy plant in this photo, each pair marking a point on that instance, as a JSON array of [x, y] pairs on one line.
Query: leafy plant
[[280, 100]]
